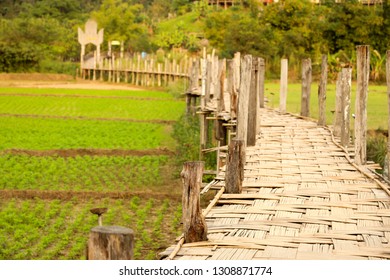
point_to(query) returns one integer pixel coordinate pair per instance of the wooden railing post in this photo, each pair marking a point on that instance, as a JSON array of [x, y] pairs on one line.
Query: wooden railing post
[[388, 119], [110, 243], [235, 162], [322, 91], [253, 105], [346, 77], [283, 86], [306, 87], [194, 225], [363, 70], [337, 112], [243, 98], [261, 81]]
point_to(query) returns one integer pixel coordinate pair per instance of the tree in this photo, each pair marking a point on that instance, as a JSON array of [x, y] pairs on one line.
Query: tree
[[123, 22]]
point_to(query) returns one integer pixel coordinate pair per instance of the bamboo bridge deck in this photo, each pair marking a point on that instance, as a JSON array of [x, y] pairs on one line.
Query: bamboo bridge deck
[[303, 198]]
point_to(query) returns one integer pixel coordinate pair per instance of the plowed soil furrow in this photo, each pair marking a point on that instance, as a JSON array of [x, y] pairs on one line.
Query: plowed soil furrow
[[86, 118], [68, 195], [89, 96], [88, 152]]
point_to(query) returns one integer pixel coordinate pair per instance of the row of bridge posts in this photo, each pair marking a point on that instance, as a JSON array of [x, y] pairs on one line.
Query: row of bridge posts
[[248, 80], [235, 158]]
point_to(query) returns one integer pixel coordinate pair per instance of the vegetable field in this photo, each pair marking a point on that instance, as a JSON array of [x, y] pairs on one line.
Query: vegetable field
[[65, 151]]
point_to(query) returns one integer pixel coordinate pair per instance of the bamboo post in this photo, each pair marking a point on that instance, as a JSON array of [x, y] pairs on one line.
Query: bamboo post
[[322, 91], [195, 228], [283, 86], [306, 87], [110, 243], [363, 70], [243, 98], [261, 80], [346, 80], [338, 107], [235, 162], [388, 119], [253, 106]]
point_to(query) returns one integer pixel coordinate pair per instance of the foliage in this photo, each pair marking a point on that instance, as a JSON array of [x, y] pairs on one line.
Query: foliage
[[186, 134], [123, 22], [377, 148]]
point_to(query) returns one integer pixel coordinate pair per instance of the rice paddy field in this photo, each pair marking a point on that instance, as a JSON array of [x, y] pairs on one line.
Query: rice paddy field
[[65, 151]]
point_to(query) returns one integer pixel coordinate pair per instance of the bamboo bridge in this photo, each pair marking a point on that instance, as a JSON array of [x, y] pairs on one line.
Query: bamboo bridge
[[287, 187]]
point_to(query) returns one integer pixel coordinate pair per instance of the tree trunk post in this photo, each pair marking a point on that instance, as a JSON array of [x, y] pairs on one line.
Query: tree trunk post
[[322, 91], [195, 228], [243, 98], [110, 243], [363, 71], [306, 87], [235, 162], [283, 86], [346, 77]]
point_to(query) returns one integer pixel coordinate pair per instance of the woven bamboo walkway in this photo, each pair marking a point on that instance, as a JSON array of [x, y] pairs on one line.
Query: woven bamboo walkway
[[302, 199]]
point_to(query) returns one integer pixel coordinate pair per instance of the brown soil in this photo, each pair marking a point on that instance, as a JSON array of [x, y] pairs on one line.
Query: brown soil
[[88, 96], [69, 195], [89, 152], [42, 80], [86, 118]]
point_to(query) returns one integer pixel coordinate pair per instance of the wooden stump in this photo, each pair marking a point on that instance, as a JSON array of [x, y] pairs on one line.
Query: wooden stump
[[110, 243], [235, 167], [194, 225]]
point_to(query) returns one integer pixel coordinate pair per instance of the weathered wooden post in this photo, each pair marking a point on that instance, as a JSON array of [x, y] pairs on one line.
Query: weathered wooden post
[[283, 86], [194, 225], [306, 87], [253, 105], [338, 104], [363, 71], [235, 162], [388, 119], [243, 98], [346, 79], [110, 243], [322, 91], [261, 80]]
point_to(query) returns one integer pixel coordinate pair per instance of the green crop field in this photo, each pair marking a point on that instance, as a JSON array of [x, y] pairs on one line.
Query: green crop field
[[65, 151]]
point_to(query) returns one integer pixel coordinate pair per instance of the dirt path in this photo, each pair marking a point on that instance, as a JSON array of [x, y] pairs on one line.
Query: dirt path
[[40, 80], [89, 152]]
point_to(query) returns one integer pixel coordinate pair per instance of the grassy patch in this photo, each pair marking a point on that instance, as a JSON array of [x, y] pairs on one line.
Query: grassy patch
[[44, 134], [376, 108]]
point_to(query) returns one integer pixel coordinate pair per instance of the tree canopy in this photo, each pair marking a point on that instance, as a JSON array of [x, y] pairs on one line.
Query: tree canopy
[[36, 30]]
